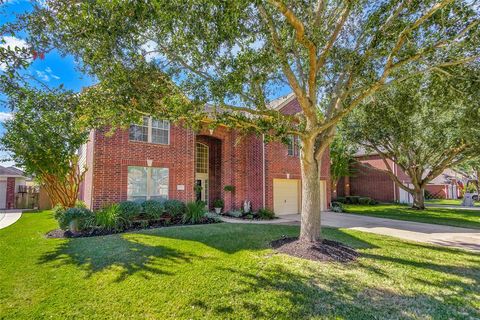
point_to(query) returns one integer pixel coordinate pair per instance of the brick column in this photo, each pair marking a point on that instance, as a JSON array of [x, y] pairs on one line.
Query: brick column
[[10, 193], [347, 186]]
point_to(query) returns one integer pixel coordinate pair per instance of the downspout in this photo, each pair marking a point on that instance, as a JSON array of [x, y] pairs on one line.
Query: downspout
[[263, 170]]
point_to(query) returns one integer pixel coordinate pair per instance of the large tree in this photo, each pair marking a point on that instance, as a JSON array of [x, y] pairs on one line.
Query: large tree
[[169, 58], [43, 138], [423, 125]]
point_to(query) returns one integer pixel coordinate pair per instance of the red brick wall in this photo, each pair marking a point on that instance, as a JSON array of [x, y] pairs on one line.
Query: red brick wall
[[370, 180], [10, 201], [114, 154], [437, 190]]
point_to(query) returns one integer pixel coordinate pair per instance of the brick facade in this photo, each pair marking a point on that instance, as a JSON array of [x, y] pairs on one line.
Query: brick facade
[[10, 198], [370, 180], [234, 159]]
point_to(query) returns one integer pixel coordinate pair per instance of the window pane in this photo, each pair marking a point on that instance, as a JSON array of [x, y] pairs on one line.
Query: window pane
[[139, 132], [159, 136], [137, 183], [159, 184], [160, 131], [201, 158], [291, 147]]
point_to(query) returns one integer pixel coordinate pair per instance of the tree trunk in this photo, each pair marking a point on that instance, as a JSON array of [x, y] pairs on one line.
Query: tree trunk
[[418, 198], [310, 228]]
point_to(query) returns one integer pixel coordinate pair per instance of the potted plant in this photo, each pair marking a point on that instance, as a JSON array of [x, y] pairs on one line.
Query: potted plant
[[218, 205]]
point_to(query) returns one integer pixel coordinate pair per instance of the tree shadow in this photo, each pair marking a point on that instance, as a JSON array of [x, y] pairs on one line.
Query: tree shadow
[[128, 254], [238, 237], [306, 297]]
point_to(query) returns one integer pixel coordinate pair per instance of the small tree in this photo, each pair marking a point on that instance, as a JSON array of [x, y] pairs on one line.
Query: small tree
[[43, 138], [233, 55], [341, 159], [423, 125]]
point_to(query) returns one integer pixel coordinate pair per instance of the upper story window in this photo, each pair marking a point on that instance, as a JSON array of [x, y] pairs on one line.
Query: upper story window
[[293, 148], [151, 130]]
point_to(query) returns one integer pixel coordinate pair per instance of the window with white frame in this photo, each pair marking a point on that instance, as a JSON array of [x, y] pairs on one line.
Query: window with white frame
[[145, 183], [151, 130], [293, 147]]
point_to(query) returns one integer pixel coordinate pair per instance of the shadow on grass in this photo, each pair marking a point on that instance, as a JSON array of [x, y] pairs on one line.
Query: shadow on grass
[[129, 255], [287, 294], [387, 282]]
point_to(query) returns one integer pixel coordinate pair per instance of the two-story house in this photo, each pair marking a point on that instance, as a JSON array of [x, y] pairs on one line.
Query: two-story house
[[160, 160]]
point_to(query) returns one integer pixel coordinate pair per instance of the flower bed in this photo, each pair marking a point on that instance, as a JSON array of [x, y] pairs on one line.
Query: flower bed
[[128, 216]]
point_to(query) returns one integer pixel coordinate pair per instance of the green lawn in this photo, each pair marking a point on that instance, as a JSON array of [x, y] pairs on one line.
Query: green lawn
[[451, 217], [227, 271], [449, 202]]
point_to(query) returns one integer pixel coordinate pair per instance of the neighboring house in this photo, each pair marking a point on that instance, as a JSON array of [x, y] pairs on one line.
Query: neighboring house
[[11, 181], [159, 160], [370, 180]]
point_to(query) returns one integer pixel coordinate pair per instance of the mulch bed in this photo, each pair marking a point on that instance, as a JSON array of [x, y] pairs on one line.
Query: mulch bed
[[327, 250], [58, 233]]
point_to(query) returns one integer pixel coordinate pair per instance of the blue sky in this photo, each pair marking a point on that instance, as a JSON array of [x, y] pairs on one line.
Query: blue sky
[[53, 70]]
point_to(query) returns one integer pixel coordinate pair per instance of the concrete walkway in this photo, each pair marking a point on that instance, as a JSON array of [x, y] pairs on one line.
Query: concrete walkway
[[9, 217], [463, 238]]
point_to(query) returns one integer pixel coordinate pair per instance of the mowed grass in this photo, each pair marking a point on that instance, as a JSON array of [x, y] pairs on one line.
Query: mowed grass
[[227, 271], [448, 202], [445, 216]]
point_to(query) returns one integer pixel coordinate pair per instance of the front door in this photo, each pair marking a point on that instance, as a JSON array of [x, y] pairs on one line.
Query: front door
[[201, 172]]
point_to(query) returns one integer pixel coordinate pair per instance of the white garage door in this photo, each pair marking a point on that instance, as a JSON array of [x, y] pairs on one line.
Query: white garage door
[[3, 194], [286, 196]]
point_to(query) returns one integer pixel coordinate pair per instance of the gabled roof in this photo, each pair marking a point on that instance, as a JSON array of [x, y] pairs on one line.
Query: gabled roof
[[11, 172], [280, 102]]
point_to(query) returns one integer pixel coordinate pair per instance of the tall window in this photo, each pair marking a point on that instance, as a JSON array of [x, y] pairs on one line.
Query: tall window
[[146, 183], [293, 148], [201, 161], [151, 130]]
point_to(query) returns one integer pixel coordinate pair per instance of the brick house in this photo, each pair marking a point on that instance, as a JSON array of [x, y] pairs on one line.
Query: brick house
[[159, 160], [371, 180]]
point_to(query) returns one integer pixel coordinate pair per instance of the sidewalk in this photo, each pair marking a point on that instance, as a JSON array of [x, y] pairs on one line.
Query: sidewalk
[[9, 217]]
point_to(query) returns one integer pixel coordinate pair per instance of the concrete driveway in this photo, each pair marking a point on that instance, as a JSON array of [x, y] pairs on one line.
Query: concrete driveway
[[9, 217], [463, 238]]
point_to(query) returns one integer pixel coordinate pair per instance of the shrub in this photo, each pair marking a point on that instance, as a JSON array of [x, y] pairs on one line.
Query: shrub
[[337, 206], [218, 203], [265, 214], [354, 199], [229, 188], [194, 212], [175, 208], [153, 209], [110, 218], [235, 213], [130, 209], [340, 199], [364, 200], [80, 204], [213, 217], [73, 219]]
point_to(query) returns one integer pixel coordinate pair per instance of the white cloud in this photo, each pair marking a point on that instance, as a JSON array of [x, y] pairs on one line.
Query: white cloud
[[5, 116], [42, 75], [12, 42], [46, 75]]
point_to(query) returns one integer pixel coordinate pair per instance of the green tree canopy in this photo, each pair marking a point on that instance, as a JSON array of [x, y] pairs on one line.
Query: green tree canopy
[[43, 138], [170, 58], [424, 125]]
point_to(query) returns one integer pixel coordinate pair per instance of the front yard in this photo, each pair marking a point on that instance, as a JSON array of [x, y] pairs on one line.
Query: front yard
[[227, 271], [436, 215]]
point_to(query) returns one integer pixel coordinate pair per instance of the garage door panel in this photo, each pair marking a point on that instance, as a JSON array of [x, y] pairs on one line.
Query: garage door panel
[[286, 196]]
